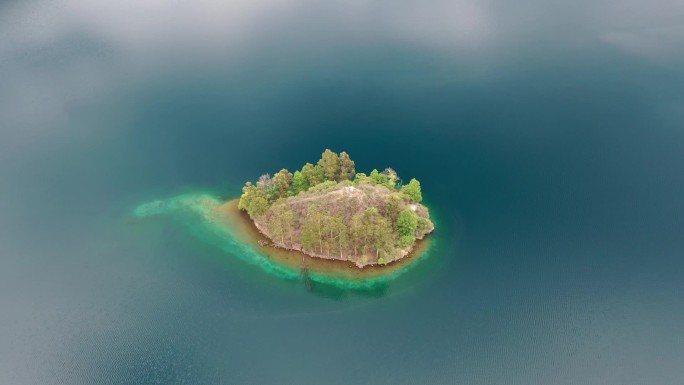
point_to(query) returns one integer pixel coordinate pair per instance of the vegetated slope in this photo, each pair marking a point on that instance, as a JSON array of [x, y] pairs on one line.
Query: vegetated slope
[[330, 211]]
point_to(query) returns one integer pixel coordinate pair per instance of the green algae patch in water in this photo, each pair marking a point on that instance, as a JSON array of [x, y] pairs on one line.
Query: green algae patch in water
[[223, 225]]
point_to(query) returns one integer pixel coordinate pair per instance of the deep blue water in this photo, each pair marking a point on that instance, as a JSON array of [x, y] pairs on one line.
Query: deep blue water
[[549, 149]]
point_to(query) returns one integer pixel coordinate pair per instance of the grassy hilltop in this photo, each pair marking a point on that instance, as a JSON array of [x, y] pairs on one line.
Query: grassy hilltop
[[329, 211]]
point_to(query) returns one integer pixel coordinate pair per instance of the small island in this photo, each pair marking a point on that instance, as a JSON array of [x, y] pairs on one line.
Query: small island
[[330, 211]]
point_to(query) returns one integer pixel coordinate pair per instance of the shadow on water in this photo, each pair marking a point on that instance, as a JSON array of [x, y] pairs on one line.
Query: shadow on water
[[333, 292]]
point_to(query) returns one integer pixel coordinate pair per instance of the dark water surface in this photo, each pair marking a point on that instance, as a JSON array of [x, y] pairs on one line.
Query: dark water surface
[[551, 150]]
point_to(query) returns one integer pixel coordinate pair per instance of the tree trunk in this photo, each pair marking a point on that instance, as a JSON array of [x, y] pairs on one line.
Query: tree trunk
[[320, 236]]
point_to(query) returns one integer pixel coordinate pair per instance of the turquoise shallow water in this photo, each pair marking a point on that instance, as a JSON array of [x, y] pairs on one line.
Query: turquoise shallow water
[[197, 213], [547, 138]]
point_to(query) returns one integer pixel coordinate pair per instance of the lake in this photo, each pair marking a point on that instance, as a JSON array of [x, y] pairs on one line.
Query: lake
[[548, 139]]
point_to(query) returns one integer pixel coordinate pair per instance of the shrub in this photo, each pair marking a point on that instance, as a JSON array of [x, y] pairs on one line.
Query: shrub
[[407, 222], [413, 191], [406, 240], [323, 187], [424, 224]]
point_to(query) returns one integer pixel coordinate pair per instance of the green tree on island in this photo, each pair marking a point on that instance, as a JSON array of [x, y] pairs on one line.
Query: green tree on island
[[282, 181], [378, 177], [330, 164], [412, 190], [393, 207], [347, 167], [299, 183], [406, 225], [313, 174]]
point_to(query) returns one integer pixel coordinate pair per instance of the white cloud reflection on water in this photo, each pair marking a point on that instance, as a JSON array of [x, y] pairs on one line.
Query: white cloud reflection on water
[[56, 54], [103, 39], [91, 46], [150, 26]]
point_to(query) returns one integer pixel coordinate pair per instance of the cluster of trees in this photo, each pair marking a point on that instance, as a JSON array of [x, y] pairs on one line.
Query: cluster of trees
[[332, 167], [368, 233], [378, 232], [391, 180]]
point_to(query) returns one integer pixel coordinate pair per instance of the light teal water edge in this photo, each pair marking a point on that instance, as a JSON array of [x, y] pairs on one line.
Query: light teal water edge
[[198, 213]]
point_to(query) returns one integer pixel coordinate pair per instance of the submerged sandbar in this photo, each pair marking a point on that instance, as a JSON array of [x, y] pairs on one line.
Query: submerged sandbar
[[220, 223], [246, 231]]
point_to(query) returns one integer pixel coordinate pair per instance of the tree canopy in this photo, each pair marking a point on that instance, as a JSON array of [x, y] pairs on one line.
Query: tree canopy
[[330, 164], [412, 190], [347, 167], [282, 182]]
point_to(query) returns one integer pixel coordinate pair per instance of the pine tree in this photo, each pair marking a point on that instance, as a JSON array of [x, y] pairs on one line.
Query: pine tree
[[281, 222], [265, 183], [342, 238], [347, 167], [327, 233], [412, 191], [360, 178], [356, 233], [424, 225], [275, 227], [367, 230], [257, 207], [407, 222], [247, 196], [314, 175], [282, 182], [392, 178], [406, 240], [288, 224], [330, 164], [308, 236], [299, 182], [253, 200], [378, 178], [313, 228], [393, 208], [382, 237]]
